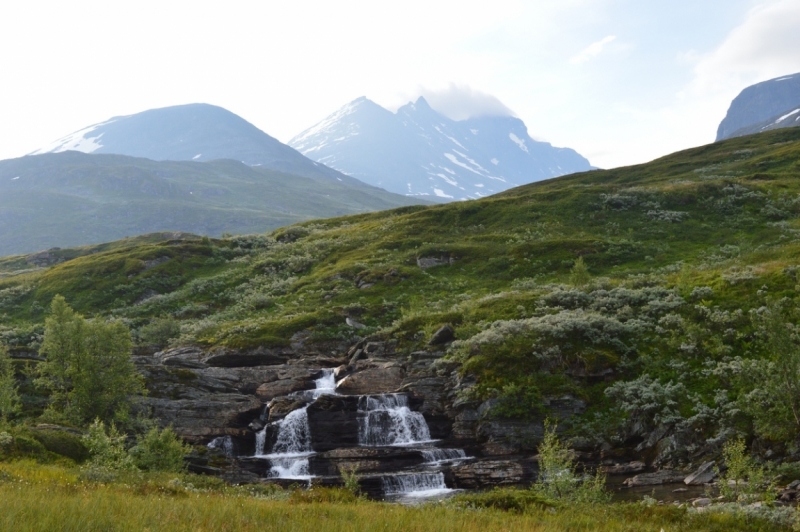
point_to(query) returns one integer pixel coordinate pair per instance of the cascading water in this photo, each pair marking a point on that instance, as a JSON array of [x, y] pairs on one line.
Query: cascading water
[[387, 420], [289, 456], [440, 456], [325, 385], [223, 443], [415, 485]]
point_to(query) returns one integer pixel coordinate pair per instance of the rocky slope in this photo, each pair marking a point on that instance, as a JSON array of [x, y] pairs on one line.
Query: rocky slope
[[418, 151], [768, 105]]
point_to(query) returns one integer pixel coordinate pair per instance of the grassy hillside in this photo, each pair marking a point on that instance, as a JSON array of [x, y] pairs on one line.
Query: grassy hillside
[[71, 198], [683, 254]]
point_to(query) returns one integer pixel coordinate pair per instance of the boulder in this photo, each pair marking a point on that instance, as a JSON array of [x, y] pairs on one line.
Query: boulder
[[271, 390], [704, 474], [442, 336], [665, 476], [372, 381]]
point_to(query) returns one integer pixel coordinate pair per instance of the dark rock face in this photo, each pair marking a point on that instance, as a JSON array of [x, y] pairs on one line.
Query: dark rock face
[[489, 473], [760, 106], [200, 420], [333, 421]]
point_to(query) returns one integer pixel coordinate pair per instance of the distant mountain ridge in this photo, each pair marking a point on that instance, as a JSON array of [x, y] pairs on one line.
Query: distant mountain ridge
[[768, 105], [193, 132], [72, 199], [420, 152]]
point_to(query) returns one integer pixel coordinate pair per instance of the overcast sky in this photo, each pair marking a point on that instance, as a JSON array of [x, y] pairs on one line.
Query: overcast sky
[[621, 81]]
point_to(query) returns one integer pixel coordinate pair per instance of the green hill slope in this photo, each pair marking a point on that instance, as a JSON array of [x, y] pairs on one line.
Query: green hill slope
[[683, 254], [72, 198]]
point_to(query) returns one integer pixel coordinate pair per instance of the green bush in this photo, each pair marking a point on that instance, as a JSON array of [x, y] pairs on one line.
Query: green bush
[[107, 449], [159, 332], [160, 450], [63, 443], [744, 480], [558, 477]]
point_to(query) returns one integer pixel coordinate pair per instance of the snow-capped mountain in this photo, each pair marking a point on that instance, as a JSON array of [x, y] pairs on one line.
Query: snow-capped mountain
[[418, 151], [193, 132], [771, 104]]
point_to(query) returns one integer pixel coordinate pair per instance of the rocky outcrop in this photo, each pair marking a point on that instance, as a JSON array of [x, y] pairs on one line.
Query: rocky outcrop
[[703, 475], [488, 473], [385, 379], [200, 420]]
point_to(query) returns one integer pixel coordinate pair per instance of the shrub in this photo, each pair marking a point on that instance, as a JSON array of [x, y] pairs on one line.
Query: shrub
[[558, 477], [107, 449], [160, 450], [63, 443], [9, 396], [744, 480], [159, 332]]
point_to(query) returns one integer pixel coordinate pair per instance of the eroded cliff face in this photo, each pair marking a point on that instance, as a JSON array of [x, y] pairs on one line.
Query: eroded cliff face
[[220, 394]]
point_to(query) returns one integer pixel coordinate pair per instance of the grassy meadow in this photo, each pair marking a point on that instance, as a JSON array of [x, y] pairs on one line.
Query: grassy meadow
[[37, 497]]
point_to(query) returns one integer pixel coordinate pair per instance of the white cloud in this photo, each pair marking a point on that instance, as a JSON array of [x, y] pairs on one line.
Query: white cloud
[[765, 45], [592, 50], [459, 102]]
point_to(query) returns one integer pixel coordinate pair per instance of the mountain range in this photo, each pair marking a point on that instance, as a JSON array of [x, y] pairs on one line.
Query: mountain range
[[417, 151], [193, 132], [71, 198], [772, 104]]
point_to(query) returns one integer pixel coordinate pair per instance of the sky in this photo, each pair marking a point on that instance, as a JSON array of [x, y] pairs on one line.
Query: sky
[[620, 81]]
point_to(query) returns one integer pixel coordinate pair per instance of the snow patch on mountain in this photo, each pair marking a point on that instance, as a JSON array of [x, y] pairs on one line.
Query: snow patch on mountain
[[419, 151]]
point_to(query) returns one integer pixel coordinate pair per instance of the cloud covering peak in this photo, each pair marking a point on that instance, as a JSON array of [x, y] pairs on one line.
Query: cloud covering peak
[[460, 102]]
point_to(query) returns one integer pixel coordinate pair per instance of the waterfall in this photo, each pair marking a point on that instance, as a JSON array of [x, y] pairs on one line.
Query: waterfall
[[415, 484], [387, 420], [438, 456], [225, 443], [289, 455], [325, 385]]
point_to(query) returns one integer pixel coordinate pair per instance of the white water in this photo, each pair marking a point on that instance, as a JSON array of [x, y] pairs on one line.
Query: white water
[[289, 455], [415, 485], [439, 456], [225, 443], [325, 385], [387, 420]]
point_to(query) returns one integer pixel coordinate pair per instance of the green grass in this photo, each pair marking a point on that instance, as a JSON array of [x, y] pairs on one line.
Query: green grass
[[41, 497]]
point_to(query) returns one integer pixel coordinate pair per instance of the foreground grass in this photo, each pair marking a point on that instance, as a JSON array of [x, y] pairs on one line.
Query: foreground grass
[[52, 497]]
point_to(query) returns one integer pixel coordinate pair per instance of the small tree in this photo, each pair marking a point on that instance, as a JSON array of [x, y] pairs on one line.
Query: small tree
[[558, 477], [160, 450], [774, 401], [579, 274], [9, 396], [88, 369], [744, 480], [107, 448]]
